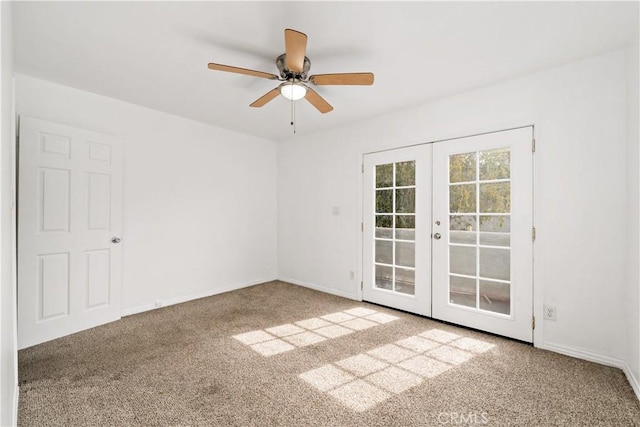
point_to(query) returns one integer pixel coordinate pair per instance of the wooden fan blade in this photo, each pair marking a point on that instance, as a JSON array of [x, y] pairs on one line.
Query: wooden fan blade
[[342, 79], [266, 98], [238, 70], [295, 45], [318, 101]]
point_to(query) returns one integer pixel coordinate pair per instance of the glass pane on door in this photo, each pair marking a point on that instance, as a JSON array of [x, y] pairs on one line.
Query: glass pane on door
[[395, 202], [479, 230]]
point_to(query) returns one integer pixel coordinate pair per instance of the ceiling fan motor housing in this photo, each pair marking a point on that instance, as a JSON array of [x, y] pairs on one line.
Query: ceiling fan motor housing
[[287, 74]]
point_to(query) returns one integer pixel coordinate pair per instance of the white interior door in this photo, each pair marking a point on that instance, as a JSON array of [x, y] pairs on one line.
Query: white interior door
[[396, 246], [69, 210], [482, 232]]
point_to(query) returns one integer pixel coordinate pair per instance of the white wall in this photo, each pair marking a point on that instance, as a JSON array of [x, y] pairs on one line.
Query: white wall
[[633, 182], [580, 197], [8, 345], [199, 201]]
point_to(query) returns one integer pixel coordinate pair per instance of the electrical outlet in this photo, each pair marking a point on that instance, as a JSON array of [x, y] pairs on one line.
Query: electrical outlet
[[352, 275], [550, 312], [158, 303]]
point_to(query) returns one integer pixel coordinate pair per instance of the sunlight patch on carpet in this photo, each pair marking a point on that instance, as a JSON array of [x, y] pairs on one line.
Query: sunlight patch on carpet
[[392, 353], [394, 379], [284, 330], [450, 355], [313, 323], [304, 339], [269, 348], [254, 337], [363, 381], [327, 377], [334, 331], [283, 338], [338, 317], [440, 336], [418, 344], [362, 364], [359, 395], [424, 366]]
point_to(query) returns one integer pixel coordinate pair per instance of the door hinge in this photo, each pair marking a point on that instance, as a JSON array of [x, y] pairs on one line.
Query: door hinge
[[533, 234], [533, 145], [361, 286], [362, 168], [533, 322], [362, 226]]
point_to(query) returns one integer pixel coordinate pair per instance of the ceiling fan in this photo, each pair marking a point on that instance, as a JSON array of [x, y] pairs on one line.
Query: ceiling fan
[[294, 68]]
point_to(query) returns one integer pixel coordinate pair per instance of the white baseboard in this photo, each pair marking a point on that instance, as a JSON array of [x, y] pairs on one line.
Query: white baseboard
[[348, 295], [597, 358], [177, 300], [583, 354], [16, 396], [635, 383]]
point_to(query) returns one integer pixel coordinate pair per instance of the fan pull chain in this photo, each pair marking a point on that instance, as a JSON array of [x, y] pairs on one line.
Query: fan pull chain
[[293, 116]]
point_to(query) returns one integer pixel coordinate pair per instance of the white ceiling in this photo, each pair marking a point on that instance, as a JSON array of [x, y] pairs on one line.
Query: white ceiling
[[155, 54]]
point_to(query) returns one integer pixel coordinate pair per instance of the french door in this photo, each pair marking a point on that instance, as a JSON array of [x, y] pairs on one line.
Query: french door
[[397, 197], [473, 222], [482, 233]]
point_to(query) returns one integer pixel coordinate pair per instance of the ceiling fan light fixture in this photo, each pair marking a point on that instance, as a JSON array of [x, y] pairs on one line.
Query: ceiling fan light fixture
[[293, 91]]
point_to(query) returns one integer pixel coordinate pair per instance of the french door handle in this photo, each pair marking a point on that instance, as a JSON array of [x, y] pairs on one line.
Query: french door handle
[[116, 239], [437, 236]]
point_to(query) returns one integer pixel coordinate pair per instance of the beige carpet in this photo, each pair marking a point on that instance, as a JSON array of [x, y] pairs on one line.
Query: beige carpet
[[278, 354]]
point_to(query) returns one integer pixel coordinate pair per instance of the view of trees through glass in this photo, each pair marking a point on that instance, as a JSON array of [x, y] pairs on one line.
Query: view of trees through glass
[[464, 170], [495, 197], [395, 226], [479, 230]]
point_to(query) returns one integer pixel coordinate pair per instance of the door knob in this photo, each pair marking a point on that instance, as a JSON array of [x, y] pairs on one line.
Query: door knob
[[116, 239], [437, 236]]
